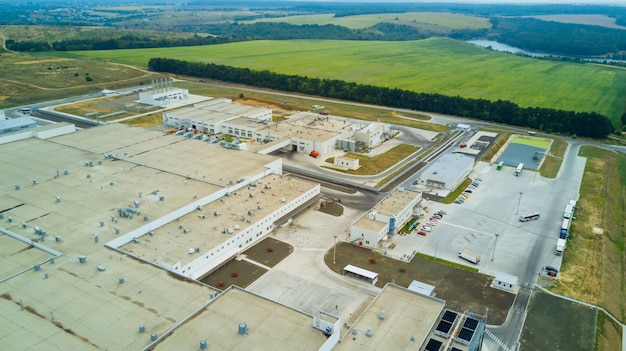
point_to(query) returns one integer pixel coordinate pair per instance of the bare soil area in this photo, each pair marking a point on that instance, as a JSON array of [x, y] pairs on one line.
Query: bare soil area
[[462, 290], [268, 252]]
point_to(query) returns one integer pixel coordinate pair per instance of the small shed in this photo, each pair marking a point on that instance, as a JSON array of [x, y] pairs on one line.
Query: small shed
[[347, 162], [505, 282], [422, 288], [463, 127], [370, 276]]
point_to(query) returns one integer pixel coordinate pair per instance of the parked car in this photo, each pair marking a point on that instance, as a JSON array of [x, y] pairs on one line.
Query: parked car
[[441, 212], [551, 269], [458, 202], [426, 228], [468, 191]]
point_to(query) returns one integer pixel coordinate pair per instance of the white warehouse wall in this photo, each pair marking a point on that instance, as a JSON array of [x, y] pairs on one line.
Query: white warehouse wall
[[244, 238]]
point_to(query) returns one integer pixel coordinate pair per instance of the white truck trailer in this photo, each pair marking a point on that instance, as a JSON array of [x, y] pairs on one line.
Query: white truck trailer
[[569, 210], [560, 246], [470, 256]]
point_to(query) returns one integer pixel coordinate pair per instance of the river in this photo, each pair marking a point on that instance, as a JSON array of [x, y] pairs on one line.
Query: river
[[497, 46]]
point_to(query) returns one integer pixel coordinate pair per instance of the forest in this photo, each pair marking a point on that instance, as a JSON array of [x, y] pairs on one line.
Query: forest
[[587, 124]]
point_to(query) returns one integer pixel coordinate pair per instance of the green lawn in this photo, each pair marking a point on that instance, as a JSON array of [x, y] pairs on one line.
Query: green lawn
[[540, 143], [448, 20], [436, 65]]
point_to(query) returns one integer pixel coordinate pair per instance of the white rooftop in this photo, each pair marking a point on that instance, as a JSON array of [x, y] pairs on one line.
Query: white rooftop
[[405, 313]]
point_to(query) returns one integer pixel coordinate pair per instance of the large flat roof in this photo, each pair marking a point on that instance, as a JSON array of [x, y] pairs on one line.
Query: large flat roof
[[190, 158], [395, 202], [66, 304], [79, 308], [369, 224], [170, 244], [448, 166], [406, 315], [216, 110], [309, 126], [270, 326]]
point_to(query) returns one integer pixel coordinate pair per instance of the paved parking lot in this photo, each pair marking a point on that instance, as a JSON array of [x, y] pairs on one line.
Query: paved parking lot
[[491, 214]]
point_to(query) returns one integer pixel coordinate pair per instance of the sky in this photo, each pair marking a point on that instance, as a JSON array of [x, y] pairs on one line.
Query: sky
[[540, 2]]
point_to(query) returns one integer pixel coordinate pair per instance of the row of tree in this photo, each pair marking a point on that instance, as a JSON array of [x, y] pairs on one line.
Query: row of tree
[[589, 124], [127, 41]]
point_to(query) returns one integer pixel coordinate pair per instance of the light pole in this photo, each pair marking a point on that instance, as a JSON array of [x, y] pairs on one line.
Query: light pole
[[518, 203], [494, 247], [334, 248]]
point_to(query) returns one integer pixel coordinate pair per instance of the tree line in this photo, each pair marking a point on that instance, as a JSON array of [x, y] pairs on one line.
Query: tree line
[[128, 41], [588, 124]]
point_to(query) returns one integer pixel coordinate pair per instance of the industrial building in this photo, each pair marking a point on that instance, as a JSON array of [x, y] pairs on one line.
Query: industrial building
[[162, 93], [447, 172], [63, 288], [304, 132], [209, 116], [16, 125], [105, 232], [397, 319], [385, 218]]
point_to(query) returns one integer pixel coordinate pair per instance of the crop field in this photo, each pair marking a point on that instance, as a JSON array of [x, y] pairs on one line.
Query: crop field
[[436, 65], [447, 20], [590, 19]]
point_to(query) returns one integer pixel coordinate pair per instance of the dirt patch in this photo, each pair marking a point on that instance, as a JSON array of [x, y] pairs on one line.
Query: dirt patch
[[239, 271], [33, 311], [41, 61], [71, 332], [269, 252], [7, 296], [331, 207], [462, 290], [557, 324], [251, 102], [234, 272]]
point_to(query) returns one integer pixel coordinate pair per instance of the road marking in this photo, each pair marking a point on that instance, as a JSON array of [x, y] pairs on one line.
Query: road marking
[[497, 340]]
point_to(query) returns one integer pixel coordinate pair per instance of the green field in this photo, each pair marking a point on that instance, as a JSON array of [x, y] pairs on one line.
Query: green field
[[447, 20], [436, 65], [540, 143]]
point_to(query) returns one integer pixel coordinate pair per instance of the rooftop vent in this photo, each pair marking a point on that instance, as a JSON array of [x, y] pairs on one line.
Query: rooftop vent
[[243, 329]]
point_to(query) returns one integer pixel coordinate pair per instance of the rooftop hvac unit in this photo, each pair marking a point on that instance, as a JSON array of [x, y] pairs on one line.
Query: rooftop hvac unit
[[243, 329]]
